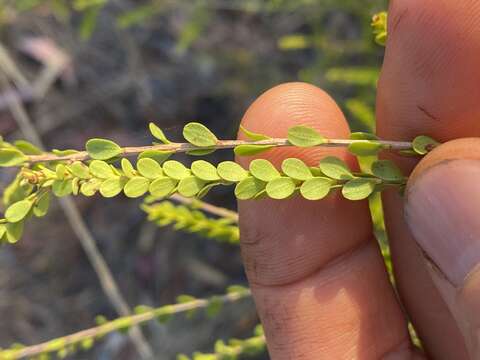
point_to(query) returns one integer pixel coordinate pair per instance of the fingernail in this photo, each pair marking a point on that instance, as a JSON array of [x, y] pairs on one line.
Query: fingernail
[[443, 213]]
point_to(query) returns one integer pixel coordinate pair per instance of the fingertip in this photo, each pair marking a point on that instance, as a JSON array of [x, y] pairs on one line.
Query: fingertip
[[290, 104]]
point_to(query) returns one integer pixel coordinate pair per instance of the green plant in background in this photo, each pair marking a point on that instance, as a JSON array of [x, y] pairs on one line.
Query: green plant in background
[[103, 168]]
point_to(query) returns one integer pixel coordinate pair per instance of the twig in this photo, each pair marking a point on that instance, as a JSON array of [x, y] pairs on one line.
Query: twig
[[221, 144], [212, 209], [78, 225], [133, 320]]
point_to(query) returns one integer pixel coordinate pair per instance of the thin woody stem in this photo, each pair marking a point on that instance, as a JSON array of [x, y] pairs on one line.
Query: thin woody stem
[[221, 144], [115, 325]]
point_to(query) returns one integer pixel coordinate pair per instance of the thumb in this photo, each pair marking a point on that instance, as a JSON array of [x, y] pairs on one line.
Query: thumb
[[442, 210]]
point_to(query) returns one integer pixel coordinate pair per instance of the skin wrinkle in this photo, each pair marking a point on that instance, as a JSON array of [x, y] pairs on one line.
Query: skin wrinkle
[[346, 329]]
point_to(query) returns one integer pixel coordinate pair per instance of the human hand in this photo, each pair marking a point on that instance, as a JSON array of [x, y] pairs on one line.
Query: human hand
[[315, 270]]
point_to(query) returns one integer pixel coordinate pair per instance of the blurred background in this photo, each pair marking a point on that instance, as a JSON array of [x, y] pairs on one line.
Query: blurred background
[[106, 68]]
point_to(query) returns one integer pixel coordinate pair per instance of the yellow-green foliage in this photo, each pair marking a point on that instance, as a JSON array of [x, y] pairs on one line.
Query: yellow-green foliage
[[185, 218], [85, 339]]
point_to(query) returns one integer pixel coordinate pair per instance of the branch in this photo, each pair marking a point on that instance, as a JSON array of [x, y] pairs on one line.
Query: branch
[[221, 144], [120, 324]]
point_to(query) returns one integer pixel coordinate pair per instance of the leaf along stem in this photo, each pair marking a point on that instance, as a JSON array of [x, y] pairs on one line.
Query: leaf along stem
[[221, 144]]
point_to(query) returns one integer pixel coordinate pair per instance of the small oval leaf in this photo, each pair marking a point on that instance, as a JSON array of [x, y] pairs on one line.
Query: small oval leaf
[[176, 170], [62, 188], [112, 187], [136, 187], [127, 168], [80, 170], [365, 147], [387, 170], [296, 169], [204, 170], [316, 188], [280, 188], [149, 168], [11, 157], [40, 209], [263, 170], [101, 169], [199, 135], [162, 187], [358, 189], [335, 168], [157, 155], [102, 149], [248, 188], [423, 144], [158, 133], [304, 136], [18, 211], [190, 186], [253, 136], [231, 171], [250, 150]]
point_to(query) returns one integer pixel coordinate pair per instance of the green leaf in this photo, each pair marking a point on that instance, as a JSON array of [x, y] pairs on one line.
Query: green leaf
[[40, 209], [61, 171], [90, 187], [250, 150], [62, 188], [3, 231], [231, 171], [387, 170], [127, 168], [296, 169], [335, 168], [162, 187], [202, 193], [102, 149], [80, 170], [149, 168], [201, 152], [157, 155], [316, 188], [199, 135], [248, 188], [253, 136], [423, 144], [204, 170], [164, 313], [280, 188], [27, 148], [66, 152], [190, 186], [11, 157], [365, 148], [176, 170], [263, 170], [18, 211], [358, 189], [215, 305], [136, 187], [101, 169], [158, 133], [363, 136], [14, 231], [304, 136], [112, 187]]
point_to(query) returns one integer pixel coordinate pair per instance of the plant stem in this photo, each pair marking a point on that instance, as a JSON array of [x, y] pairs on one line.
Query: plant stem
[[115, 325], [221, 144]]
